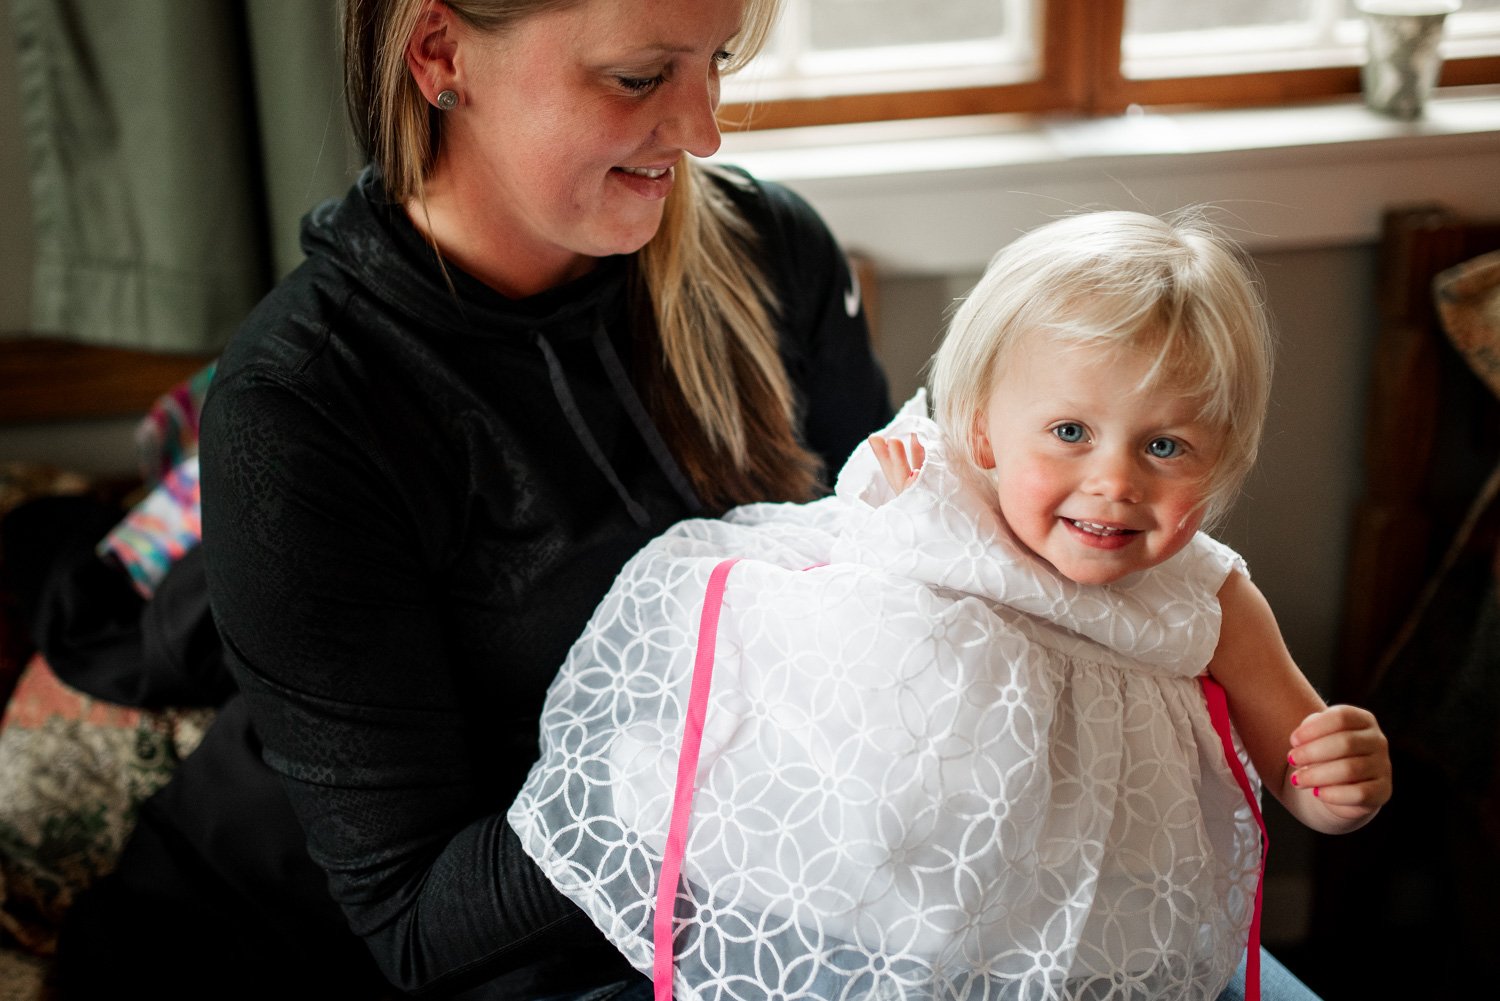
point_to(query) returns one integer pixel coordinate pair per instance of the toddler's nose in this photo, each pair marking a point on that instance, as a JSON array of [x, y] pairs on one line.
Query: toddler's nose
[[1115, 477]]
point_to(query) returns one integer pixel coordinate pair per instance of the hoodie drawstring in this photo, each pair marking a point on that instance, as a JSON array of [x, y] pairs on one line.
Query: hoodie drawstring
[[655, 444], [627, 397]]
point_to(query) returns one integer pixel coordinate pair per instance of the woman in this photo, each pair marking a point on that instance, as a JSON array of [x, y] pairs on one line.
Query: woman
[[534, 335]]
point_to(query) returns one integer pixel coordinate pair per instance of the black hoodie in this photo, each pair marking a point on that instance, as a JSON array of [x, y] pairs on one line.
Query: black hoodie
[[411, 503]]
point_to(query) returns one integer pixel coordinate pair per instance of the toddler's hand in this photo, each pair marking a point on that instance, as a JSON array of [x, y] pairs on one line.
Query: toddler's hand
[[1340, 756], [899, 466]]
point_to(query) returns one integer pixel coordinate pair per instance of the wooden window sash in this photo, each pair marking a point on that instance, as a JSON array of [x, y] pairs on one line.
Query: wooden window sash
[[1081, 75]]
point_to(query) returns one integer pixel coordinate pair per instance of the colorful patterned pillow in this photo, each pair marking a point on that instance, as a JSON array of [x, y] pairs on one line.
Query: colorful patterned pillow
[[73, 770]]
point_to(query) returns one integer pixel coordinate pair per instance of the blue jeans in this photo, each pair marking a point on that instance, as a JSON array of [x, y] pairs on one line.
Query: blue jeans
[[1277, 983]]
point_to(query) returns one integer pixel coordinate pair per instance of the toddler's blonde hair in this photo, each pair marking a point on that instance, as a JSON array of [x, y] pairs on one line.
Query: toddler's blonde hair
[[1173, 287]]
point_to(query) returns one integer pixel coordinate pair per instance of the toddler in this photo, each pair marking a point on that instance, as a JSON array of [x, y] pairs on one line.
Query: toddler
[[991, 721]]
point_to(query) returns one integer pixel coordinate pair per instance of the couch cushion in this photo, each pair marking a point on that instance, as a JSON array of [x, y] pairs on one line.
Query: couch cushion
[[73, 770]]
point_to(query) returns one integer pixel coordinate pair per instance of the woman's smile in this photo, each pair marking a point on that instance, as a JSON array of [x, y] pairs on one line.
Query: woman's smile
[[652, 183]]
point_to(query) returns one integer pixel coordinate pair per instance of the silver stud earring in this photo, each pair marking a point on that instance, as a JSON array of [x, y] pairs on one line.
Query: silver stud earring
[[447, 100]]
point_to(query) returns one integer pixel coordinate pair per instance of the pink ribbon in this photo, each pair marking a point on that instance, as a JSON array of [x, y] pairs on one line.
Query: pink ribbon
[[1218, 714], [687, 779]]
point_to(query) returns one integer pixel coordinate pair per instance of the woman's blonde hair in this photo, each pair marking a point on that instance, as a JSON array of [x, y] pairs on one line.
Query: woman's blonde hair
[[718, 388], [1174, 288]]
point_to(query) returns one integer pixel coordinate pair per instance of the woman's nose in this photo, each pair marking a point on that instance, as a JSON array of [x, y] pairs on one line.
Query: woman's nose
[[692, 124]]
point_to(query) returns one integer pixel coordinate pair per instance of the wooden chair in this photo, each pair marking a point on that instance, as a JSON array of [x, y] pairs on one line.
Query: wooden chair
[[1414, 893]]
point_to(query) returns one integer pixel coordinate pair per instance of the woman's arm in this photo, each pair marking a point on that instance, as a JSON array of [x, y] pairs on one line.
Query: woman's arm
[[323, 589], [1329, 766]]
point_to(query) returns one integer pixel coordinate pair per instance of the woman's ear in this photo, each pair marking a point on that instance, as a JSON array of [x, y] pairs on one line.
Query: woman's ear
[[431, 51]]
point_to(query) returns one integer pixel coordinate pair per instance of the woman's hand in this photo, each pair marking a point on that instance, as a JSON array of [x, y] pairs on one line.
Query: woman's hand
[[899, 463], [1340, 756]]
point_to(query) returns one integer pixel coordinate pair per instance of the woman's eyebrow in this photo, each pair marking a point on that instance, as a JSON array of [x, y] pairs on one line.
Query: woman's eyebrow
[[664, 47]]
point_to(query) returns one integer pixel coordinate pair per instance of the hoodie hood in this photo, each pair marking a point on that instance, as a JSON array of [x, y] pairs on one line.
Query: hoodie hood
[[371, 239]]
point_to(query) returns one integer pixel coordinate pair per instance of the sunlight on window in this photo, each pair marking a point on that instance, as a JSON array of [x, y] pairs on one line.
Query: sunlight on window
[[1165, 38], [1474, 30], [854, 24], [1154, 17], [827, 47]]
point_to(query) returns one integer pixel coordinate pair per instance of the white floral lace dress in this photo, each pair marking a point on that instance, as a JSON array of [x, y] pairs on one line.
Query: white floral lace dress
[[930, 767]]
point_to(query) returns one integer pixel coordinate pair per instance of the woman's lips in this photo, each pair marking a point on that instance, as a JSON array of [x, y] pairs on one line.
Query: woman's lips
[[651, 172], [648, 182]]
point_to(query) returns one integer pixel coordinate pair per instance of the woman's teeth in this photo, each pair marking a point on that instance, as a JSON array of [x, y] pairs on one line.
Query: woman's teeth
[[651, 172]]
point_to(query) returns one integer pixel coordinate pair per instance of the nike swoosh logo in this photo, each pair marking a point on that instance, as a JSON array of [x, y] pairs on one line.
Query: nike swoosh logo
[[851, 295]]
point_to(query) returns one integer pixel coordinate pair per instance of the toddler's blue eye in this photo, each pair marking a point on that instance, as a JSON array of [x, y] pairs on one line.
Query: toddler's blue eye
[[1163, 448], [1070, 432]]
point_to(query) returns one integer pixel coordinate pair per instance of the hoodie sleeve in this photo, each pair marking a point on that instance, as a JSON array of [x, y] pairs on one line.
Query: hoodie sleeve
[[325, 606]]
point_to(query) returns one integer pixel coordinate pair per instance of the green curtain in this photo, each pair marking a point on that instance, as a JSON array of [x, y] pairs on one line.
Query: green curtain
[[172, 147]]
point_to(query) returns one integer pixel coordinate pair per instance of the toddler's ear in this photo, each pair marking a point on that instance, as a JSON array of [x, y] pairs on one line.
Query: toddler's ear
[[983, 453]]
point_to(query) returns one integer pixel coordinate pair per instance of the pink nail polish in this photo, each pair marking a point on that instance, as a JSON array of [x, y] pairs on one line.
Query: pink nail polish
[[1289, 759], [1294, 778], [1316, 793]]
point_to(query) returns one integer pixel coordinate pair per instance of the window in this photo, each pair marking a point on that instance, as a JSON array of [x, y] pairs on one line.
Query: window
[[827, 47], [867, 60]]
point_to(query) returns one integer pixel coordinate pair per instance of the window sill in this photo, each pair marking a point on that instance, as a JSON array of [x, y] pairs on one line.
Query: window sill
[[941, 195]]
